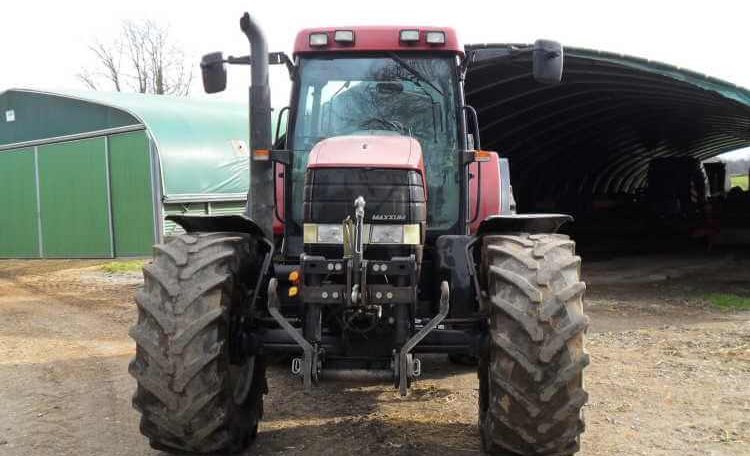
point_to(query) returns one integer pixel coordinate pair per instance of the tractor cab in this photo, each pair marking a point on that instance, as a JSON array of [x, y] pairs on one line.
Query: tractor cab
[[397, 90]]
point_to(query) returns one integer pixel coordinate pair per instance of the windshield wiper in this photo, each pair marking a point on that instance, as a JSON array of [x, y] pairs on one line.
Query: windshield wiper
[[414, 72]]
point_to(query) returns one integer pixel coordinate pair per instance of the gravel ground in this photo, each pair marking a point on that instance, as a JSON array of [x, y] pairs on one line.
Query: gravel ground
[[669, 375]]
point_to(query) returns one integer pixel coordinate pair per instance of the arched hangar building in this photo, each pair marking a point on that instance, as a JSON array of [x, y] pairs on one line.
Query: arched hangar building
[[618, 143], [95, 174]]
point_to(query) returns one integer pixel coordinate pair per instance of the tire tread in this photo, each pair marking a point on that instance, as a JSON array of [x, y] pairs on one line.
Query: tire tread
[[534, 357], [184, 388]]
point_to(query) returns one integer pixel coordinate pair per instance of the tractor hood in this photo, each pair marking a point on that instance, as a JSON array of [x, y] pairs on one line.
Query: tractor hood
[[385, 169], [368, 151]]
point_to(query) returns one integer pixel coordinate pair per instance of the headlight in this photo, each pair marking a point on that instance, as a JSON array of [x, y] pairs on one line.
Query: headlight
[[330, 234], [395, 234], [386, 234], [323, 234], [373, 234]]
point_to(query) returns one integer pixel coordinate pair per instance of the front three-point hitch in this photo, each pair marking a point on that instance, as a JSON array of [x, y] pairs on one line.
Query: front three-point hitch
[[364, 296]]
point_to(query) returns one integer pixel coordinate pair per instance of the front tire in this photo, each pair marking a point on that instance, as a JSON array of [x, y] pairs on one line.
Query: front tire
[[192, 396], [531, 367]]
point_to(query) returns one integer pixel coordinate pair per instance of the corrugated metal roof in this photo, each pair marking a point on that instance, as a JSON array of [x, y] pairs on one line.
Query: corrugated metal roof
[[199, 142], [596, 131]]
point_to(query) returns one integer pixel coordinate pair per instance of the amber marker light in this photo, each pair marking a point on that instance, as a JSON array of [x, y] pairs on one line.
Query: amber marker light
[[294, 276], [482, 156]]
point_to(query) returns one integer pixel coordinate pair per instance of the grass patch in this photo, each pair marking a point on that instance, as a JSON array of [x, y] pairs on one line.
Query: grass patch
[[726, 301], [740, 181], [115, 267]]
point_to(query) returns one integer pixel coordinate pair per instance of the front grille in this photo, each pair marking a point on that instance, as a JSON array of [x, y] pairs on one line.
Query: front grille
[[391, 195]]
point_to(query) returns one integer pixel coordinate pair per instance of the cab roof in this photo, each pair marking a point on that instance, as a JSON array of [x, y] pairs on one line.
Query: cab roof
[[377, 38]]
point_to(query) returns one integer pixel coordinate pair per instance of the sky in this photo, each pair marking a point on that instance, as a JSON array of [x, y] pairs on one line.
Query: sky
[[43, 44]]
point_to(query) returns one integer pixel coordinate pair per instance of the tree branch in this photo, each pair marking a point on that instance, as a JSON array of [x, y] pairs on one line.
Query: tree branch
[[143, 59]]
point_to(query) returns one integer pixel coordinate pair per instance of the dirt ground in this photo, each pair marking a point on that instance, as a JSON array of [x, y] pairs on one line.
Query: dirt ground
[[669, 375]]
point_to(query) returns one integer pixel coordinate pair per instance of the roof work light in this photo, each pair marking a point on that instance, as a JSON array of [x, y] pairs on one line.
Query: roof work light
[[409, 36], [435, 37], [344, 36], [318, 39]]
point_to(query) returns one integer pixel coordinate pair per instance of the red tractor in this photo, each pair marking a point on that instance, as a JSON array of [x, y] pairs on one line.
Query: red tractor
[[376, 229]]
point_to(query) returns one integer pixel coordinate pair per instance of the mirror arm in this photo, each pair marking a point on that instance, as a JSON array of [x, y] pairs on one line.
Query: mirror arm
[[244, 60], [516, 51], [480, 54], [279, 58], [475, 122], [274, 58]]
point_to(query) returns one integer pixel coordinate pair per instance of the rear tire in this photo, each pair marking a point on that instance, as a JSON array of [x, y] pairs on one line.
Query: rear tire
[[191, 396], [531, 365]]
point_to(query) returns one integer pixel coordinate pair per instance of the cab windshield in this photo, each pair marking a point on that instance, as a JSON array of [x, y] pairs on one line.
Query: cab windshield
[[385, 95]]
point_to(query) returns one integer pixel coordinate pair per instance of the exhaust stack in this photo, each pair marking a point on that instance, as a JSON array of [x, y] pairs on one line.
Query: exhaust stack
[[260, 196]]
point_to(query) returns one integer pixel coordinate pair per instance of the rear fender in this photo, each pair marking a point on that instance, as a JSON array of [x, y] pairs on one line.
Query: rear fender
[[522, 223]]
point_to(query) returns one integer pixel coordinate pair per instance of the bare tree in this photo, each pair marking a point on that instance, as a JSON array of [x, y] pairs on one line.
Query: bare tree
[[142, 59]]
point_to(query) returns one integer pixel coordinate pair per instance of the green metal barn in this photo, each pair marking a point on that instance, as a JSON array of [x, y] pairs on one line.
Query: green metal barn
[[94, 174]]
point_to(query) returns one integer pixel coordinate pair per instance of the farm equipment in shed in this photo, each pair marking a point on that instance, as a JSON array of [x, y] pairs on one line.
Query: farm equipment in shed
[[377, 229]]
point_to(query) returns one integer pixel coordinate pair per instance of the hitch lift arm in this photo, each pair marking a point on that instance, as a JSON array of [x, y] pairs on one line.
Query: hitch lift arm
[[308, 350], [404, 355]]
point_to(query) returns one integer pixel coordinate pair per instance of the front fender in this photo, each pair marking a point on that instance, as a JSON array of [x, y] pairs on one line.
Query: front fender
[[217, 223], [523, 223]]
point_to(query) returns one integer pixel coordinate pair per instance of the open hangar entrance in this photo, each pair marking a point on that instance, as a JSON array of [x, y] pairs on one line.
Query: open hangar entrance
[[619, 144]]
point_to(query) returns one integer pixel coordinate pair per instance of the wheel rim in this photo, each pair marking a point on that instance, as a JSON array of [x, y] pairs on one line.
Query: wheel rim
[[244, 381]]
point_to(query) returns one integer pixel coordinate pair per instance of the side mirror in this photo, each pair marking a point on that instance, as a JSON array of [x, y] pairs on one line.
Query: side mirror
[[214, 72], [548, 61]]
